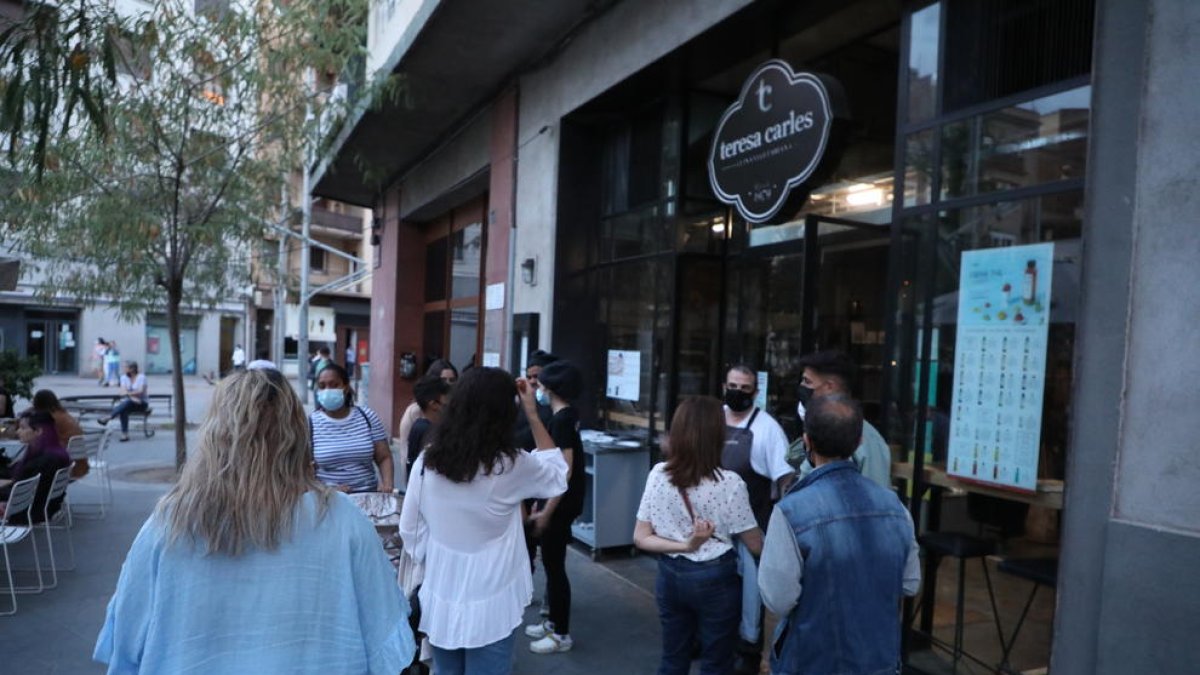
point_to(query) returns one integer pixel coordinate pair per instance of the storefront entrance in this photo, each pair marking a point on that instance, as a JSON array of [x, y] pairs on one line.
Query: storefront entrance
[[51, 338]]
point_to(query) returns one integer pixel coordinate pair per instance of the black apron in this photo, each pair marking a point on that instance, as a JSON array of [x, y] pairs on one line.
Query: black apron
[[735, 456]]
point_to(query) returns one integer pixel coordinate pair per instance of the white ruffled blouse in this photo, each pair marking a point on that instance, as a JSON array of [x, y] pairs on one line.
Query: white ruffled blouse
[[471, 539]]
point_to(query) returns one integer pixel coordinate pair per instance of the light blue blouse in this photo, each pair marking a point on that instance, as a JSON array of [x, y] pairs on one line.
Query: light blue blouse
[[326, 601]]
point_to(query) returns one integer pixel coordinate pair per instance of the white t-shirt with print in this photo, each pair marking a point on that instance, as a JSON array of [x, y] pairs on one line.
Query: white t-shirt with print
[[725, 502]]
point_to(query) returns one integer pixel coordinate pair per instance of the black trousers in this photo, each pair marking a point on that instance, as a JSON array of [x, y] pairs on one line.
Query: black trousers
[[554, 542]]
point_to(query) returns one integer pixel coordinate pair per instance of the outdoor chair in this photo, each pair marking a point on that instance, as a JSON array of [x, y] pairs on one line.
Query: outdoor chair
[[93, 446], [59, 520], [20, 500]]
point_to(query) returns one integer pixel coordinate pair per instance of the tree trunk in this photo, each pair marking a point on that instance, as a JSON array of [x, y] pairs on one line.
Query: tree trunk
[[174, 299]]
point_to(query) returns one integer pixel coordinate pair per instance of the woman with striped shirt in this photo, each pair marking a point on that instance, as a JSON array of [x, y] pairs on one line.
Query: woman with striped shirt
[[349, 441]]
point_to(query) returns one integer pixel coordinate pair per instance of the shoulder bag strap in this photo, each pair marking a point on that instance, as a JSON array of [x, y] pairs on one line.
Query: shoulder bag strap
[[687, 504], [752, 416]]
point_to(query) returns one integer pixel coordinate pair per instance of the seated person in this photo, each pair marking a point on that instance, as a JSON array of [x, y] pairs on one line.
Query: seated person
[[43, 457], [66, 425], [133, 386], [432, 394]]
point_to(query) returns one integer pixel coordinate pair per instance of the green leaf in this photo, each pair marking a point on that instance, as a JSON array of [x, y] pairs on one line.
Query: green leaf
[[95, 111]]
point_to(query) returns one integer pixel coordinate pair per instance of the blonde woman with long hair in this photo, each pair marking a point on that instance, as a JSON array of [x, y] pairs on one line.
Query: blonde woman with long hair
[[249, 564]]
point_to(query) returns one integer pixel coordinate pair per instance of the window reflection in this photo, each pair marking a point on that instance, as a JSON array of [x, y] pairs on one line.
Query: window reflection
[[923, 62], [919, 169], [1041, 141], [466, 257]]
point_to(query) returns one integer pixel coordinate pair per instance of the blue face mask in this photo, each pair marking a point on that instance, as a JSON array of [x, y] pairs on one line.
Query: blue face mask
[[541, 396], [331, 399]]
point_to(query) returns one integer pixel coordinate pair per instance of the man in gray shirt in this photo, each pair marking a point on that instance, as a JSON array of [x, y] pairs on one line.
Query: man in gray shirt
[[829, 373]]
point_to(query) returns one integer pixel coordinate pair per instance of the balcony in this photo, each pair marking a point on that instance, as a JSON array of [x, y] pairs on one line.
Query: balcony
[[350, 223]]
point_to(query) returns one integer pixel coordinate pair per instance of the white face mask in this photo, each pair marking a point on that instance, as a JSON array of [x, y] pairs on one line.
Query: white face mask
[[800, 410]]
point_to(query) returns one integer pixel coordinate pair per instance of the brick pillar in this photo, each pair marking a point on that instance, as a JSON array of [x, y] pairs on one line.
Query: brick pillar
[[501, 205], [397, 295]]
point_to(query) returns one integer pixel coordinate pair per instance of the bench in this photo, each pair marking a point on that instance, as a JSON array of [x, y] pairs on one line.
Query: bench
[[102, 404]]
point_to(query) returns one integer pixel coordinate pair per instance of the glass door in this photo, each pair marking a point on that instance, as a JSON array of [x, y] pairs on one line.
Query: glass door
[[845, 304], [52, 341]]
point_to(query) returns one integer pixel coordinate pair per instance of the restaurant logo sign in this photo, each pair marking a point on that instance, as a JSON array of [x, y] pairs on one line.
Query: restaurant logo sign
[[771, 140]]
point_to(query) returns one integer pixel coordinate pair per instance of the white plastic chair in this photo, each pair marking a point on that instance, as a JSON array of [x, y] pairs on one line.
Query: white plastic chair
[[59, 520], [20, 500], [92, 445]]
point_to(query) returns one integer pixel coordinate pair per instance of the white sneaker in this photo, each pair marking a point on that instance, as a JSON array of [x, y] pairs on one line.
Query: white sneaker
[[538, 631], [553, 643]]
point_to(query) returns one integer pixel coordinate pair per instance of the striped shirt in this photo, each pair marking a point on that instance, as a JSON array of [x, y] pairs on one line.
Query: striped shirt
[[345, 449]]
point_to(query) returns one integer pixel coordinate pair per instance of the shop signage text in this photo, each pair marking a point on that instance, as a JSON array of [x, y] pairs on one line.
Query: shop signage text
[[770, 140]]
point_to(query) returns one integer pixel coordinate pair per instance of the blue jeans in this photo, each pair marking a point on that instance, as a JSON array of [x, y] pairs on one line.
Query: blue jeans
[[751, 599], [122, 410], [493, 659], [698, 601]]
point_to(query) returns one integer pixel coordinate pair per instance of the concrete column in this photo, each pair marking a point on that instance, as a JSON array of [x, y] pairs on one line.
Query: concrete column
[[1128, 591]]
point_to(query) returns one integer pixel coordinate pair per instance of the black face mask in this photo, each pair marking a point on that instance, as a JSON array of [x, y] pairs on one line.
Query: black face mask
[[805, 394], [738, 400]]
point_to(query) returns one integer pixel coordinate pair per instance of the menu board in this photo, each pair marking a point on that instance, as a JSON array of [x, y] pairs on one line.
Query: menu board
[[624, 375], [1000, 365]]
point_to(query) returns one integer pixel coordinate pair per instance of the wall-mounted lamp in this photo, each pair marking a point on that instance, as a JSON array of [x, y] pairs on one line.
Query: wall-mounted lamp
[[529, 271], [376, 230]]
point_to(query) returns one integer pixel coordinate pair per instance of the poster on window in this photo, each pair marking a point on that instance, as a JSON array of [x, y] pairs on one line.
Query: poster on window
[[624, 375], [1000, 365]]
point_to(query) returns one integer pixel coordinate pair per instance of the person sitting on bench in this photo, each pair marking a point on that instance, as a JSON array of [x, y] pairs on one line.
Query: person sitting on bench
[[133, 386]]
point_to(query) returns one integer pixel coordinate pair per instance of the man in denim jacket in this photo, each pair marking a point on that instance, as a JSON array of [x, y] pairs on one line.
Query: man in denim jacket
[[840, 550]]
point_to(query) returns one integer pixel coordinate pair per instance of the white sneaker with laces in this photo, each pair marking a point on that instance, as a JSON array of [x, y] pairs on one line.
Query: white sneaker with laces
[[553, 643], [538, 631]]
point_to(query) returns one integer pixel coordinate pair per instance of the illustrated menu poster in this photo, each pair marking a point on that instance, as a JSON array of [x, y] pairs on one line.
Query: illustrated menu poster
[[624, 375], [1000, 365]]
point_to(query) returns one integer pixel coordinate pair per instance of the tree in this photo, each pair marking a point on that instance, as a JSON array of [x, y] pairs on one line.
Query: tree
[[148, 152]]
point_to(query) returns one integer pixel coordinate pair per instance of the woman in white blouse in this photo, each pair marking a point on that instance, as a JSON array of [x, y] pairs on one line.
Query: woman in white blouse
[[462, 517], [689, 514]]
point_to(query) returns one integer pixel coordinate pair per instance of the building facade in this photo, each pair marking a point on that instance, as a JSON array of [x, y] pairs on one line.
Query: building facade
[[554, 189]]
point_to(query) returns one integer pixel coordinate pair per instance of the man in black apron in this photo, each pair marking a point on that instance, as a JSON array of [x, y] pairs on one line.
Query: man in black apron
[[755, 449]]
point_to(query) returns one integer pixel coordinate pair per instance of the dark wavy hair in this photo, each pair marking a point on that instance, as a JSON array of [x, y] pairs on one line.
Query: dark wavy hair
[[697, 437], [476, 430], [46, 401]]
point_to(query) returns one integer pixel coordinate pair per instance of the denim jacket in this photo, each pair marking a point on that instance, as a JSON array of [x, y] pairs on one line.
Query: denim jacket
[[854, 538]]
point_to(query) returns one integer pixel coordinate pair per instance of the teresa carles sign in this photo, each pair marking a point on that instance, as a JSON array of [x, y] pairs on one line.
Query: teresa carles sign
[[772, 139]]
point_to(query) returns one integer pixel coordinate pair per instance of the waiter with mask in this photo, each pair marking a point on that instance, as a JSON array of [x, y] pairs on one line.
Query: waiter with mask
[[756, 449]]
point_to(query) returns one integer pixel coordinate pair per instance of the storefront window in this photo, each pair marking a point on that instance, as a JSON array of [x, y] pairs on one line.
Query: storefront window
[[999, 48], [158, 345], [631, 308], [1040, 141], [931, 283], [924, 31], [435, 270], [918, 169], [466, 250]]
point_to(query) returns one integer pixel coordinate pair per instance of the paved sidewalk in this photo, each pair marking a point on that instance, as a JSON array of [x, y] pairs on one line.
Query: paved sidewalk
[[614, 619]]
